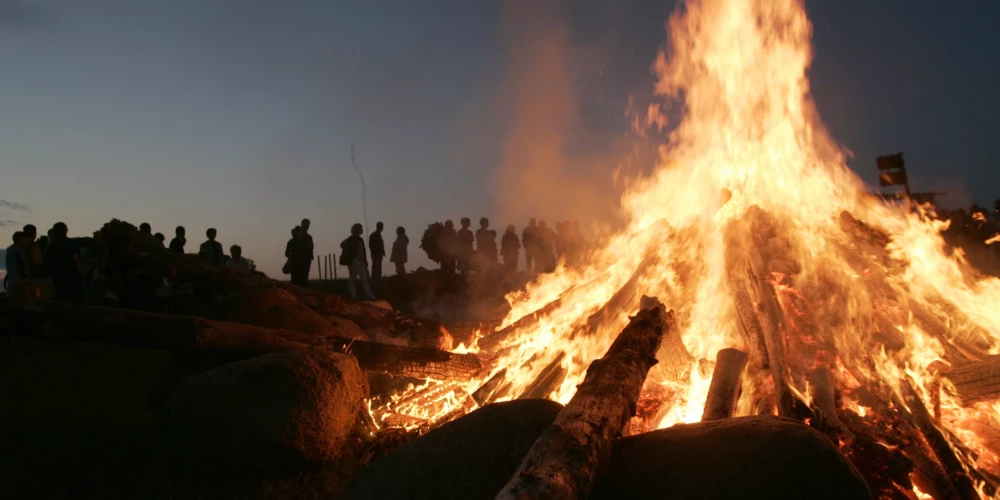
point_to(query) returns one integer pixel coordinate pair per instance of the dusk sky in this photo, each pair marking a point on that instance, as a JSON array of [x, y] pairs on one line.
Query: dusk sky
[[240, 114]]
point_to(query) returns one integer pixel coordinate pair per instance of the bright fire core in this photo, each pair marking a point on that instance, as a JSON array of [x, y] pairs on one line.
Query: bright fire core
[[749, 140]]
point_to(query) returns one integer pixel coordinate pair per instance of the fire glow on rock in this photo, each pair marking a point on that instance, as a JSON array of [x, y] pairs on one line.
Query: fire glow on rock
[[749, 141]]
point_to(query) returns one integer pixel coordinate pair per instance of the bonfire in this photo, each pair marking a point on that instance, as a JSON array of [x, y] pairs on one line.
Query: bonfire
[[793, 291]]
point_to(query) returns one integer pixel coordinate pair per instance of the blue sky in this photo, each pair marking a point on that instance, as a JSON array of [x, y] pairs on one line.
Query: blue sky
[[240, 114]]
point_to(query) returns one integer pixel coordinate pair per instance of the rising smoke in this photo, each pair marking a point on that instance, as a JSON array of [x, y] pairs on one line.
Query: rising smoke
[[556, 161]]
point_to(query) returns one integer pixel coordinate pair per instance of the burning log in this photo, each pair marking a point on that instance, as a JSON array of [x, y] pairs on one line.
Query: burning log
[[565, 460], [978, 381], [939, 444], [727, 378], [415, 362], [186, 333], [547, 381], [823, 396], [760, 315], [623, 300], [490, 342]]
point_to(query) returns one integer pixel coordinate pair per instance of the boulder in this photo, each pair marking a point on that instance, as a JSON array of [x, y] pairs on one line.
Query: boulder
[[467, 459], [747, 457], [279, 308], [278, 412]]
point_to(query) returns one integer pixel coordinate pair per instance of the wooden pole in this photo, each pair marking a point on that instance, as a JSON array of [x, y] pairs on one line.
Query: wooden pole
[[727, 378], [334, 259], [565, 461]]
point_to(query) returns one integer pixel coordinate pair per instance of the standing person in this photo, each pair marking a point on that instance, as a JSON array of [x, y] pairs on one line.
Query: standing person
[[465, 240], [486, 244], [62, 260], [307, 255], [353, 255], [377, 247], [236, 262], [510, 248], [210, 251], [546, 248], [177, 244], [298, 257], [399, 252], [146, 233], [33, 252], [160, 237], [17, 262], [449, 247], [530, 240]]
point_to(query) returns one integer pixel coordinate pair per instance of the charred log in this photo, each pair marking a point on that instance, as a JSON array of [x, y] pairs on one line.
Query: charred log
[[727, 378], [760, 315], [565, 460], [924, 422], [547, 381], [823, 394], [978, 381], [623, 300]]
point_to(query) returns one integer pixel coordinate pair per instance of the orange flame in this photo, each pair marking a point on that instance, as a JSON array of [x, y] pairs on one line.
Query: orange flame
[[750, 135]]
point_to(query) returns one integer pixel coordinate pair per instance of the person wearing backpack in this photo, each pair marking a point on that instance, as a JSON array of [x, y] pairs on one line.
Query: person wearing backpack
[[354, 256]]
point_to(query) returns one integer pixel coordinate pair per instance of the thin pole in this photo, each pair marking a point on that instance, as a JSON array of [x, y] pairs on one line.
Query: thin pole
[[364, 195], [334, 266]]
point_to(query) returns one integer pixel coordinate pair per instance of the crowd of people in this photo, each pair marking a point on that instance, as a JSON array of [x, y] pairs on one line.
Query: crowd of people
[[78, 274], [463, 251], [83, 273], [976, 232]]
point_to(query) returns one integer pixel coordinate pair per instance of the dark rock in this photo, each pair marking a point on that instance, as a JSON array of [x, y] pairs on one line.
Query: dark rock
[[278, 308], [467, 459], [278, 412], [747, 457]]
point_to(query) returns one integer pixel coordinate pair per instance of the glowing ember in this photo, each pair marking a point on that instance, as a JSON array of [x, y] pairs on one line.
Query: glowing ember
[[865, 289]]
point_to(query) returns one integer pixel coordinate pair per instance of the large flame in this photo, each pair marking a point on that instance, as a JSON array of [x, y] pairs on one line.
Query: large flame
[[749, 135]]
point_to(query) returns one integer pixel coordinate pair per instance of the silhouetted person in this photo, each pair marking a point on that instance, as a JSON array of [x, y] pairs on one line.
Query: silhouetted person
[[62, 260], [146, 233], [33, 251], [377, 247], [43, 243], [17, 262], [159, 237], [299, 257], [560, 237], [236, 262], [466, 245], [510, 248], [399, 252], [210, 251], [177, 244], [354, 256], [530, 240], [486, 244], [449, 247], [307, 255], [546, 248]]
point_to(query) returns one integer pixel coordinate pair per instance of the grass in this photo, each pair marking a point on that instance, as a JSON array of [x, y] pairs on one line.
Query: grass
[[75, 423]]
